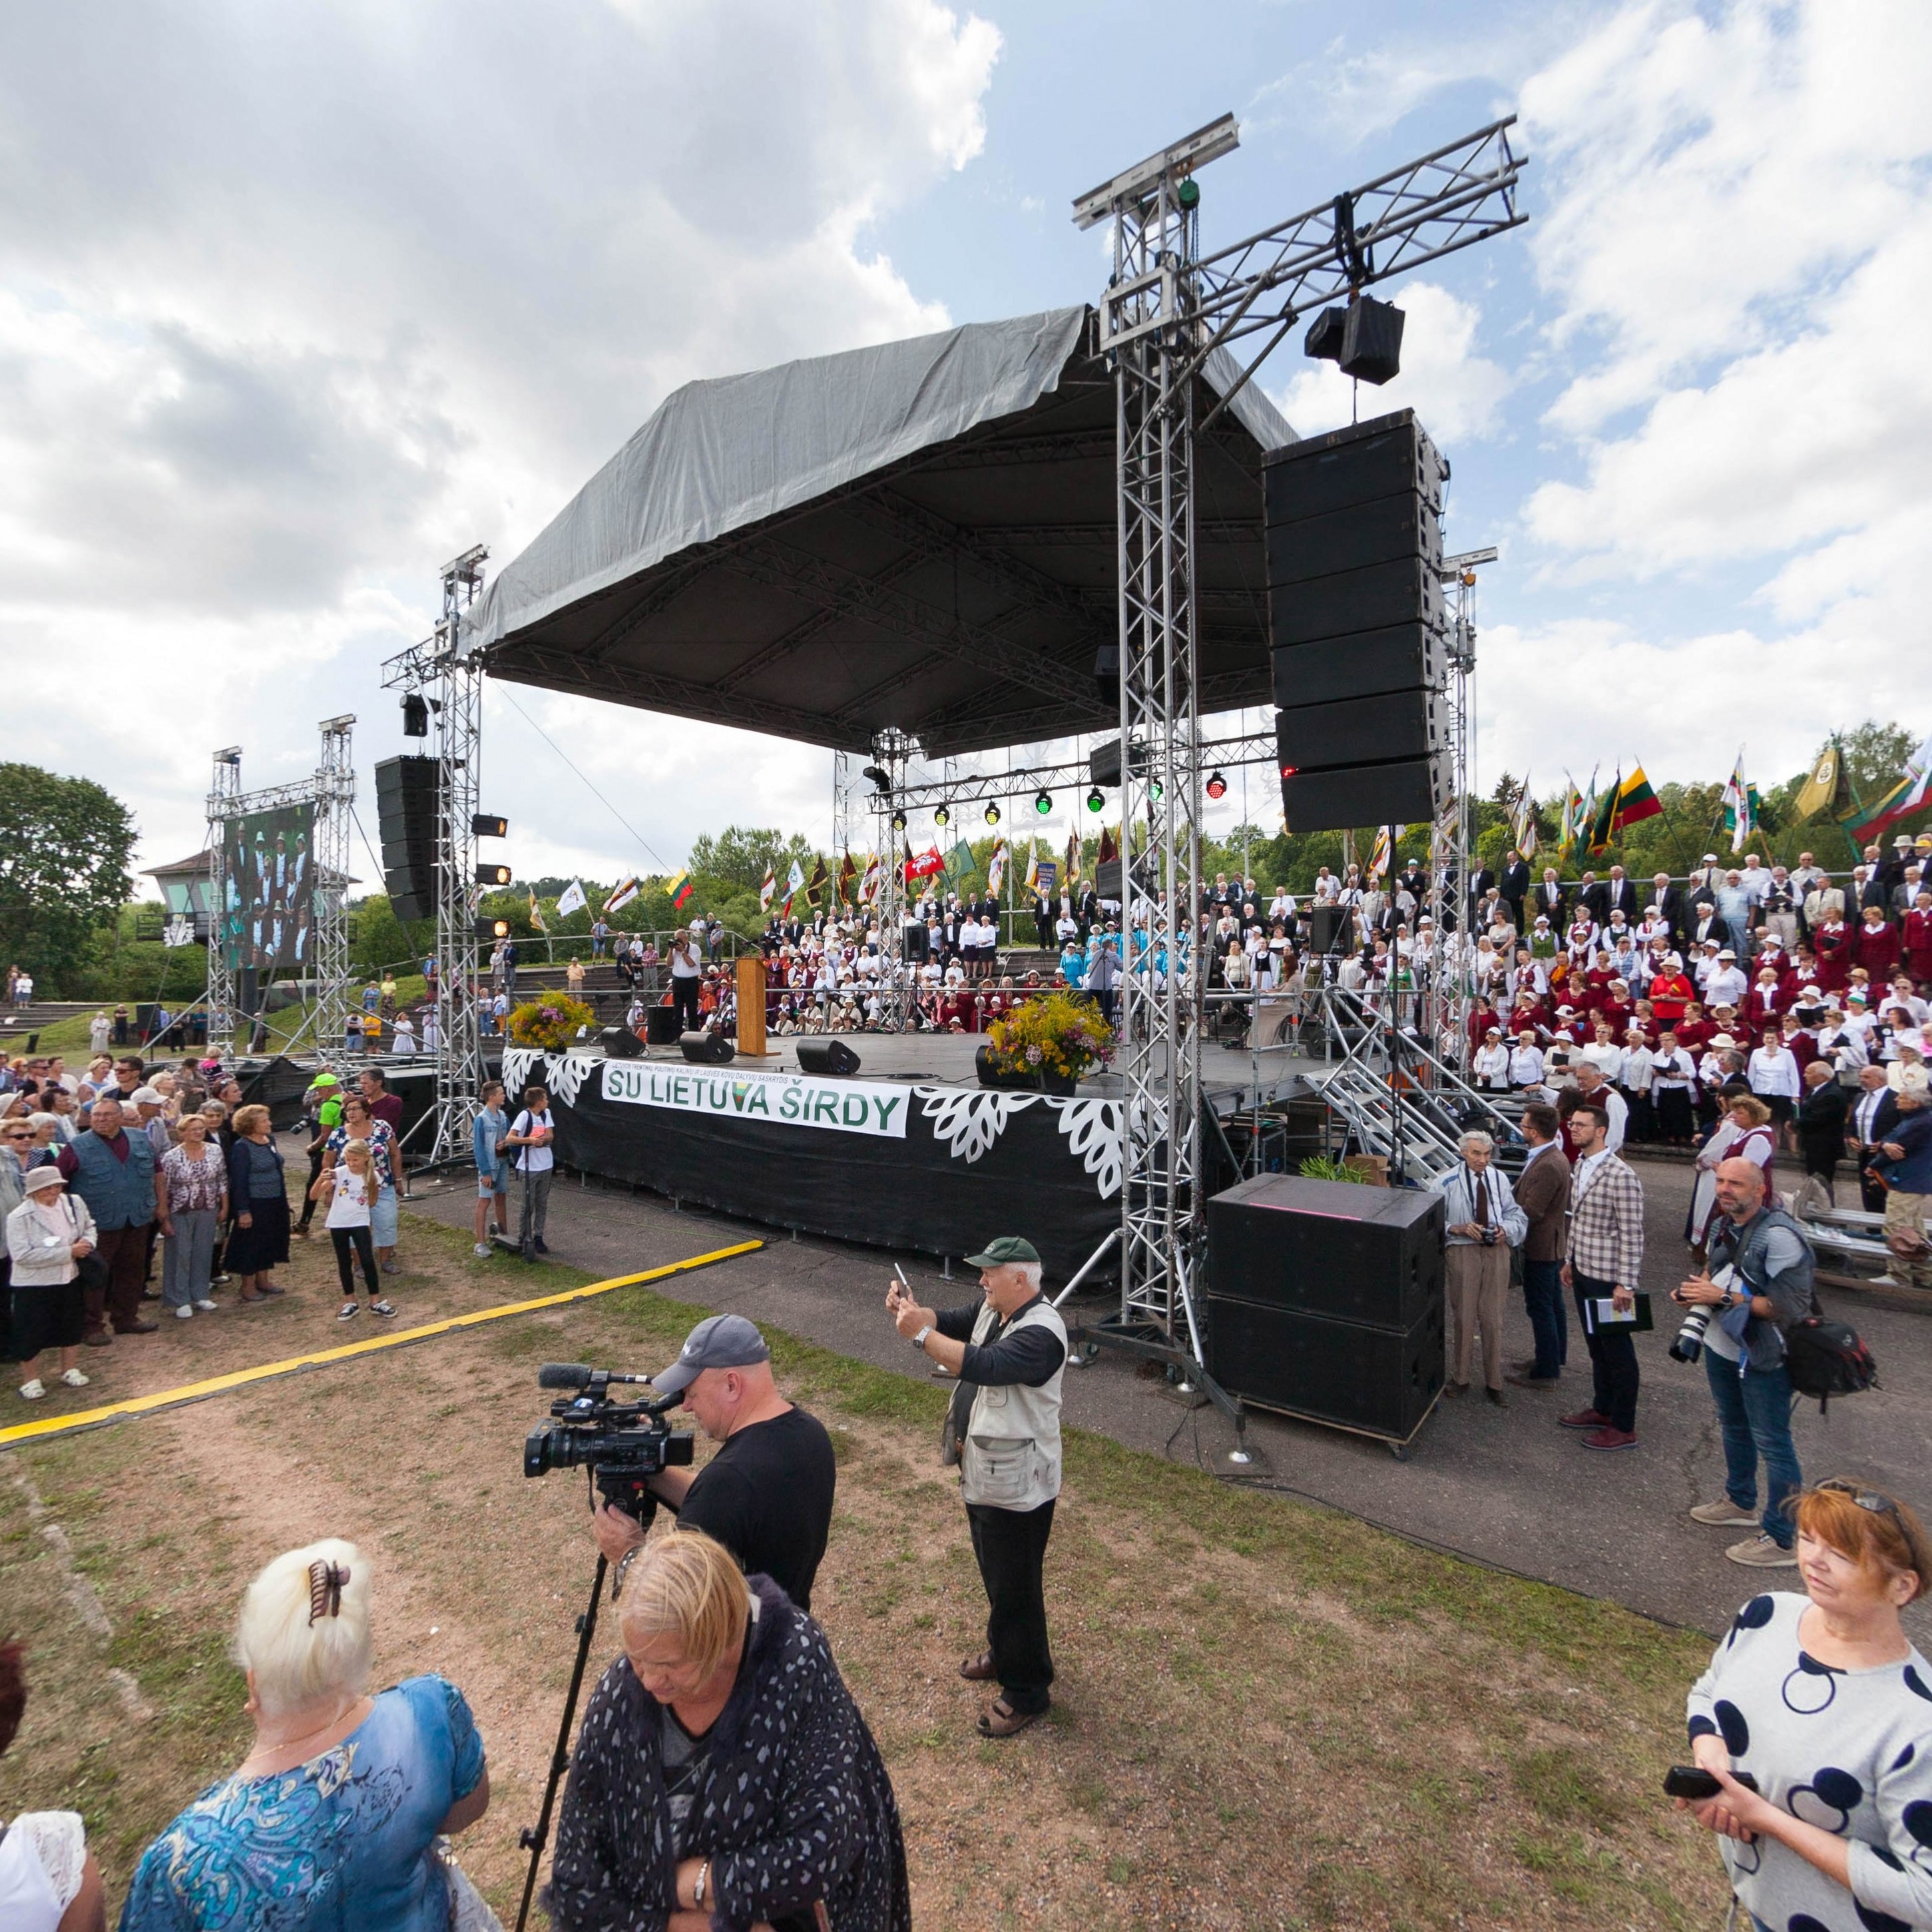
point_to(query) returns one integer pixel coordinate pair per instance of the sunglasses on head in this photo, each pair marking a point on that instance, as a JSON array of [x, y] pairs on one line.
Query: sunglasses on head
[[1869, 1500]]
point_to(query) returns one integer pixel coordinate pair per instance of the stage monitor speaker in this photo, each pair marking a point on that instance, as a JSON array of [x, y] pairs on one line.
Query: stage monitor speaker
[[661, 1026], [706, 1049], [1367, 1255], [1328, 927], [1410, 791], [1400, 657], [827, 1056], [621, 1043], [1360, 731], [1379, 1381], [916, 942]]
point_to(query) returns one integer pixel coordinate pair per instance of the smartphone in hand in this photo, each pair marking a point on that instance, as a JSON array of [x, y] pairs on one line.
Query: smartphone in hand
[[1693, 1782]]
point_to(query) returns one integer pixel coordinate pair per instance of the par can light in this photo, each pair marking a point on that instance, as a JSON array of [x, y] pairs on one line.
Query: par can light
[[1095, 803], [1043, 802], [992, 813], [1217, 786]]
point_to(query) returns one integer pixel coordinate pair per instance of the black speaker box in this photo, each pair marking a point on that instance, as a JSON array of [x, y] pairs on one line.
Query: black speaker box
[[1360, 731], [1410, 791], [621, 1043], [1403, 657], [917, 943], [1327, 928], [1357, 1253], [827, 1056], [1372, 341], [706, 1049], [1406, 591], [1380, 1380], [1380, 532], [408, 825], [1386, 456], [661, 1026]]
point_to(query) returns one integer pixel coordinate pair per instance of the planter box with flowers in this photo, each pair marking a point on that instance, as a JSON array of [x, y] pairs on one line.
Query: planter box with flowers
[[551, 1022], [1046, 1045]]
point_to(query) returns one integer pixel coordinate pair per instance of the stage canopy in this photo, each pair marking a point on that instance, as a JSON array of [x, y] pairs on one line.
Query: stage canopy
[[920, 535]]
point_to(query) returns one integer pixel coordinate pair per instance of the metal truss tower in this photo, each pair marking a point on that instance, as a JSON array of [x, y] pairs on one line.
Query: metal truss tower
[[447, 669], [334, 819], [1450, 866], [224, 787], [1165, 310]]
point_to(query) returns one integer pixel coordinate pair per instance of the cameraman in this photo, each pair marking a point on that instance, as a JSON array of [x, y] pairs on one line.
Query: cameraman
[[766, 1494], [1767, 1288]]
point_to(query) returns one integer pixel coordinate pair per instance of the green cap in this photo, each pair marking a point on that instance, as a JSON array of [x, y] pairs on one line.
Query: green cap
[[324, 1080], [1007, 1248]]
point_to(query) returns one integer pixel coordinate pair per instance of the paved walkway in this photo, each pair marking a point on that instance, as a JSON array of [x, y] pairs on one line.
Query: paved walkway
[[1505, 1487]]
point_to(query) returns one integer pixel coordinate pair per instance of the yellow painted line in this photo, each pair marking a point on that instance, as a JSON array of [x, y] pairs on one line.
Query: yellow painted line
[[146, 1405]]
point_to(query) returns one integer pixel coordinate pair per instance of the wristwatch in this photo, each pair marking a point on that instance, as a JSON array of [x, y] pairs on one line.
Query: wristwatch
[[919, 1340]]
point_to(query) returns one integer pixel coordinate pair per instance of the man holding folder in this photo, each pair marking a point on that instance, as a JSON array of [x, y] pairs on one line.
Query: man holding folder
[[1604, 1258]]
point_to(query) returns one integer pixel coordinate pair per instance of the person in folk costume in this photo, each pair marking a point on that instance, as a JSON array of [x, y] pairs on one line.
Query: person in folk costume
[[1875, 945], [1543, 941], [1831, 945], [1917, 939], [1580, 940], [1744, 1133]]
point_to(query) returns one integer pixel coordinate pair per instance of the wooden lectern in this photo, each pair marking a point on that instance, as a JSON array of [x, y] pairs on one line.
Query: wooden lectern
[[751, 974]]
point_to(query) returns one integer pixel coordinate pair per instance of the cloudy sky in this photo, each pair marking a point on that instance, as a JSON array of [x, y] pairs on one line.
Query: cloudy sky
[[297, 301]]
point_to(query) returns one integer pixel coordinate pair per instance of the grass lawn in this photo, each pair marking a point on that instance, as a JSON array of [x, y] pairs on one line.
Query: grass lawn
[[1267, 1715]]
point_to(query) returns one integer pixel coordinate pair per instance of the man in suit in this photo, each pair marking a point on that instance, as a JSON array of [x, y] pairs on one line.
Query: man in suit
[[1415, 881], [1514, 885], [1481, 881], [1670, 902], [1614, 894], [1706, 925], [1874, 1114], [1550, 899]]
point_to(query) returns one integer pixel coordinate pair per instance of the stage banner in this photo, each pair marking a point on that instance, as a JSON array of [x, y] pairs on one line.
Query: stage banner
[[269, 887], [779, 1100]]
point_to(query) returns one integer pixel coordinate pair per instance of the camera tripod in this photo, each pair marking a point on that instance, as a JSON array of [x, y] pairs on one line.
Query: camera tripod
[[629, 1494]]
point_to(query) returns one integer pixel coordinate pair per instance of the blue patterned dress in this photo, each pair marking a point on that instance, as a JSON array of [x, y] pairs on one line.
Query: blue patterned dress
[[339, 1844]]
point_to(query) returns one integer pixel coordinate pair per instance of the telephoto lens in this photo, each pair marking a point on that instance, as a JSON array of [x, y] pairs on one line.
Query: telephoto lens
[[1688, 1342]]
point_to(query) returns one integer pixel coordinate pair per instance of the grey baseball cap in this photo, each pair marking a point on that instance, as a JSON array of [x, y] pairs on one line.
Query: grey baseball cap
[[718, 1341]]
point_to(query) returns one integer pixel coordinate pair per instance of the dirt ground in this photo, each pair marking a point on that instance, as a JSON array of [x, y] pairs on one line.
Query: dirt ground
[[1267, 1715]]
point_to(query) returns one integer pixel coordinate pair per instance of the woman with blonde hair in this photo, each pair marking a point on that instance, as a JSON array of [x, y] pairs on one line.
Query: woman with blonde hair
[[723, 1773], [332, 1819], [1822, 1700]]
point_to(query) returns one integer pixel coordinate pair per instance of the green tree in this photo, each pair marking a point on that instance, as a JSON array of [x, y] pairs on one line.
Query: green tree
[[64, 846], [738, 855], [1875, 756]]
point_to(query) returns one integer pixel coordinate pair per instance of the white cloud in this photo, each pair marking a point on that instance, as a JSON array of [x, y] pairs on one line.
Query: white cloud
[[299, 301], [1458, 394], [1735, 245]]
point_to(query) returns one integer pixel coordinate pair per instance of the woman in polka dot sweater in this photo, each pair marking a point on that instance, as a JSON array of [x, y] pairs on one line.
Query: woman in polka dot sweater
[[1825, 1701], [723, 1777]]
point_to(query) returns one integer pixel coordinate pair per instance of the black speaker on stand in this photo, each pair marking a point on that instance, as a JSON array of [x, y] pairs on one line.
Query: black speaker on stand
[[621, 1043], [661, 1026], [827, 1056], [706, 1049]]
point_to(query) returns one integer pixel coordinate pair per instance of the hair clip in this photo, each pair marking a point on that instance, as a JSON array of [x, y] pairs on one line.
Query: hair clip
[[326, 1583]]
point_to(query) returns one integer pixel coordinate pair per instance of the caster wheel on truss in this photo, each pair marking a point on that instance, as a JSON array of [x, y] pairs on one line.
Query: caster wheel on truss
[[1400, 1450]]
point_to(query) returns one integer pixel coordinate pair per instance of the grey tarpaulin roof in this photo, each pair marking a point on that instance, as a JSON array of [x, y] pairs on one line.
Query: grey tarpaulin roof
[[919, 534]]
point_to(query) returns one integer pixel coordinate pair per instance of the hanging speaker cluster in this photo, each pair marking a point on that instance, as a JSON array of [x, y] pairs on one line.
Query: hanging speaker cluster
[[1364, 339], [1358, 625]]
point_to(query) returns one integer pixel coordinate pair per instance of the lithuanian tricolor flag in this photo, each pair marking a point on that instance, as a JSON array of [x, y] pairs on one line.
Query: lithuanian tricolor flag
[[679, 889], [1636, 801]]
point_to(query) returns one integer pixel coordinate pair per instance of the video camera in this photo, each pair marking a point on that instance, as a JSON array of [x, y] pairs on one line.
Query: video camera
[[622, 1445]]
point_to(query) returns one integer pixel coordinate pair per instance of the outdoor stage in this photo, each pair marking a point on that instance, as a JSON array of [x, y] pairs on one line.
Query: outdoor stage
[[910, 1153]]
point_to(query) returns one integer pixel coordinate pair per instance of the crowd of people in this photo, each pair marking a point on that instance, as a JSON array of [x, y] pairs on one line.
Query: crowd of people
[[128, 1185]]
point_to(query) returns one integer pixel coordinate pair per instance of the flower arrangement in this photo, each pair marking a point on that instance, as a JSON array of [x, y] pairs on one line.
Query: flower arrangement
[[550, 1022], [1058, 1037]]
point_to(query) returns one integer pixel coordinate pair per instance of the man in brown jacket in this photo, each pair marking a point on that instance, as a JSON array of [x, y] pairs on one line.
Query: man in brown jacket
[[1543, 1193]]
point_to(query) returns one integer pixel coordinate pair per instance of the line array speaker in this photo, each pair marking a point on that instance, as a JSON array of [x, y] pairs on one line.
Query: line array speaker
[[1357, 619], [409, 828]]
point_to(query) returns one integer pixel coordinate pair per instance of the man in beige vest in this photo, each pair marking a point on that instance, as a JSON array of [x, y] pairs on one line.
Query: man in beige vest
[[1002, 1430]]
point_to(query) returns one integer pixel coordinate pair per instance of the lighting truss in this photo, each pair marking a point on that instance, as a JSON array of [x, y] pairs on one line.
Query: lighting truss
[[448, 667], [1166, 308]]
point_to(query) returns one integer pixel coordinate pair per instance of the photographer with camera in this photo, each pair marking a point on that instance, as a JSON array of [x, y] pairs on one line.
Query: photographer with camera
[[1484, 1224], [766, 1494], [1757, 1284]]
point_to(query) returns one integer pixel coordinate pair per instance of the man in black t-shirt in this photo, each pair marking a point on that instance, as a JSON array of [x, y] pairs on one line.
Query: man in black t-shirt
[[766, 1494]]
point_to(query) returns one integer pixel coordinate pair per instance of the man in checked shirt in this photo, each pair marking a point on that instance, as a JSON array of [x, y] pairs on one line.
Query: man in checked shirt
[[1603, 1258]]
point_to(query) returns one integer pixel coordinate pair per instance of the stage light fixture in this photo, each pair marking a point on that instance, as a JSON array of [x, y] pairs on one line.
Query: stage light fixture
[[942, 817], [898, 821], [992, 813], [500, 929], [483, 825], [1043, 802], [415, 714], [1095, 801], [1217, 786], [493, 875], [882, 781]]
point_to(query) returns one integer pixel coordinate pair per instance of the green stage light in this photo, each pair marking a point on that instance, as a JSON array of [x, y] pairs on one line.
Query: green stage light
[[1043, 802], [898, 821], [941, 816], [1095, 803]]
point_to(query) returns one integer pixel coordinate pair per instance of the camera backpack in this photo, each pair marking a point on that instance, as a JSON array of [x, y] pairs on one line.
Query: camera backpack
[[1826, 1358]]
